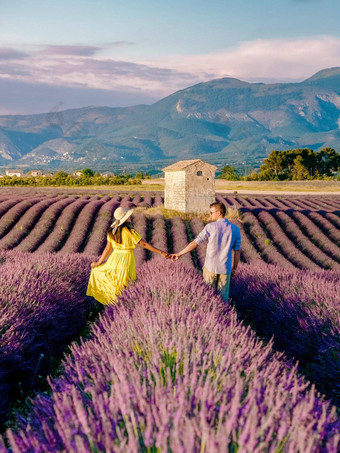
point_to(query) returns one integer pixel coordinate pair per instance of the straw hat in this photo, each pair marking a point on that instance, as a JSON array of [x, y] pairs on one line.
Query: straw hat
[[121, 215]]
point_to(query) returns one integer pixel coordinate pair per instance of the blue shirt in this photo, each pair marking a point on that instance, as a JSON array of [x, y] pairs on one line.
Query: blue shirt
[[223, 237]]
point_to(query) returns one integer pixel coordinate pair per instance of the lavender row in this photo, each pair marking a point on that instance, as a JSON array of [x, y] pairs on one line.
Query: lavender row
[[42, 307], [301, 241], [297, 202], [140, 224], [263, 244], [26, 223], [283, 243], [197, 226], [300, 310], [170, 368], [44, 226], [82, 227], [248, 251], [333, 217], [315, 234], [159, 235], [63, 227], [15, 213], [97, 239], [180, 239], [8, 204], [326, 226]]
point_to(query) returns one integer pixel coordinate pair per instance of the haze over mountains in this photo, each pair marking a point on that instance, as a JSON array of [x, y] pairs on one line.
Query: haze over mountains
[[221, 121]]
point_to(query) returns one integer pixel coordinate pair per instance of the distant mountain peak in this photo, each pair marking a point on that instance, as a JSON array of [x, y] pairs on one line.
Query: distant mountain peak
[[324, 74], [219, 121]]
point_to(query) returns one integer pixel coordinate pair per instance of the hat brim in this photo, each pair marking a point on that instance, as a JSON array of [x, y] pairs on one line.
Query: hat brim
[[127, 215]]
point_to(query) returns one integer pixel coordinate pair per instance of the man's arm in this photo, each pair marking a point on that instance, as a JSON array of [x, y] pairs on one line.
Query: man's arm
[[237, 255], [187, 249]]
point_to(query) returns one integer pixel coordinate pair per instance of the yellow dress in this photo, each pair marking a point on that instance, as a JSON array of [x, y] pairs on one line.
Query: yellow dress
[[109, 279]]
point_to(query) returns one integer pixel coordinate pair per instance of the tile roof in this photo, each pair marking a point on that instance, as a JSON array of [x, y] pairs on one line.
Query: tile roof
[[183, 164]]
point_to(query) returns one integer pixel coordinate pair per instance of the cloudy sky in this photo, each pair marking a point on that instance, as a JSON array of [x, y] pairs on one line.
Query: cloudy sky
[[61, 54]]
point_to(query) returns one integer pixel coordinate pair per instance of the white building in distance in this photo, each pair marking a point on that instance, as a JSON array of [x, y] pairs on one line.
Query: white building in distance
[[189, 186], [18, 173]]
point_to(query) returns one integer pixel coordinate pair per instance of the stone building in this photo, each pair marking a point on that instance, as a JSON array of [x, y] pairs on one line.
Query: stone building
[[35, 173], [189, 186]]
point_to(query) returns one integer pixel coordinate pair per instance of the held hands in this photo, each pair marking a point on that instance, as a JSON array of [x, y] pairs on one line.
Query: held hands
[[165, 255], [174, 256]]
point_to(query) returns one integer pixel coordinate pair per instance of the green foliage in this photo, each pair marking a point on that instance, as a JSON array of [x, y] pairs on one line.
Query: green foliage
[[229, 173], [299, 164], [88, 172], [87, 178]]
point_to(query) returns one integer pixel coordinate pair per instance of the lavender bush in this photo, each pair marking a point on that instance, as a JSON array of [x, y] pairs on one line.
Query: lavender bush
[[170, 368], [82, 227], [14, 214], [43, 226], [300, 309], [63, 226], [42, 306], [333, 217], [8, 203], [158, 200], [140, 224], [301, 241], [315, 235], [325, 225], [262, 242], [104, 218], [159, 236], [283, 243], [180, 239]]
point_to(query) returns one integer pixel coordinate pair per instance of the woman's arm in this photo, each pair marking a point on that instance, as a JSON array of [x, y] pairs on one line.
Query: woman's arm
[[104, 255], [152, 248]]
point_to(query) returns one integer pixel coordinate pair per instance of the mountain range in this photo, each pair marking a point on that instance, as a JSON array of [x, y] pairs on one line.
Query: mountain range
[[220, 121]]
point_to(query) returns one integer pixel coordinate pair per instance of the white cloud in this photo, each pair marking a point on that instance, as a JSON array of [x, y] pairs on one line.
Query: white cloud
[[259, 60], [277, 59]]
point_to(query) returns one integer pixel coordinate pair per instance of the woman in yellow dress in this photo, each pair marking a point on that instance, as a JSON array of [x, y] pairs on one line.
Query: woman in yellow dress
[[115, 269]]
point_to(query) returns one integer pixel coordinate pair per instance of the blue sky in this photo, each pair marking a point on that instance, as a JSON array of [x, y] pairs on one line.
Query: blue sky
[[77, 53]]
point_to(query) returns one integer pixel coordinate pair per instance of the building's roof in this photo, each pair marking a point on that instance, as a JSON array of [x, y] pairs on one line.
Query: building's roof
[[14, 171], [183, 164]]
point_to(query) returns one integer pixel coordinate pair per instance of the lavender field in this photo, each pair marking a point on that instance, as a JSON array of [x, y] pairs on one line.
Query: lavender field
[[171, 367]]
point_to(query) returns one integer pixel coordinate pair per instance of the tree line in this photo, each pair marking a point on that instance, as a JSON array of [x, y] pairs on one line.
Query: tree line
[[87, 177], [292, 164]]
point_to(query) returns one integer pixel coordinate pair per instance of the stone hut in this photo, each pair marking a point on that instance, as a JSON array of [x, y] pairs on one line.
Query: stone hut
[[189, 186]]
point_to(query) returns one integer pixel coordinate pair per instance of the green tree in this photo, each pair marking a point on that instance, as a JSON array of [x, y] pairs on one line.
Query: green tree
[[229, 173], [60, 178], [275, 166], [87, 172], [299, 170], [328, 161]]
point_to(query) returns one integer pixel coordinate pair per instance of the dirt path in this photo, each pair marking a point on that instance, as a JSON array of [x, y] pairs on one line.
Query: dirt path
[[275, 192]]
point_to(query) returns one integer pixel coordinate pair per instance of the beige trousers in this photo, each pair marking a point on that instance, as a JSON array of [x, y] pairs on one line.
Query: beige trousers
[[221, 282]]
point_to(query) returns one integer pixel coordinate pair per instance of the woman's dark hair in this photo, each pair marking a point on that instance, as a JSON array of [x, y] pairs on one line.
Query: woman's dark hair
[[220, 206], [117, 236]]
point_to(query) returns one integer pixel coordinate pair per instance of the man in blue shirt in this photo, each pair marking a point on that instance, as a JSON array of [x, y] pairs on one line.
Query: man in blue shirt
[[223, 237]]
